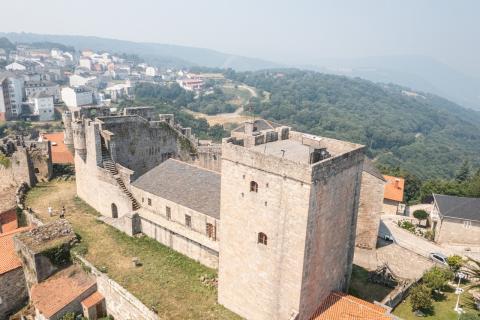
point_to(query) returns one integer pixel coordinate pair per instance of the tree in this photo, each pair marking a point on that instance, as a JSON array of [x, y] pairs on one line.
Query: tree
[[455, 262], [436, 278], [464, 172], [420, 298], [420, 215]]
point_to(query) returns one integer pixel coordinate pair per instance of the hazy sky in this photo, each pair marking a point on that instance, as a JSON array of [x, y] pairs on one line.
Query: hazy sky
[[295, 31]]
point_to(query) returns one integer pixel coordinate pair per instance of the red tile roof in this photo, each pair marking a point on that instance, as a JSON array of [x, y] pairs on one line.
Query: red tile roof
[[92, 300], [60, 290], [394, 188], [341, 306], [60, 152], [9, 260], [8, 221]]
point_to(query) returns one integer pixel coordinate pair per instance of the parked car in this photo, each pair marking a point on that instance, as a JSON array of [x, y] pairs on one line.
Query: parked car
[[439, 258], [388, 237]]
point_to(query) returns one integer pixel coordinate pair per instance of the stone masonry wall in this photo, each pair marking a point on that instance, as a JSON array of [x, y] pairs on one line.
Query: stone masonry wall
[[369, 211], [330, 240], [260, 281], [456, 232], [13, 292]]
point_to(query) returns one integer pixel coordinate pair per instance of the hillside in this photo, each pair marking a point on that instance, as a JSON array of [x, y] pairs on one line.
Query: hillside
[[155, 53], [422, 133], [419, 72]]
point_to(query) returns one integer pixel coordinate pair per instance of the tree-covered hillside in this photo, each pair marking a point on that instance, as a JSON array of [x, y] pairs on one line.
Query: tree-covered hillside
[[422, 133]]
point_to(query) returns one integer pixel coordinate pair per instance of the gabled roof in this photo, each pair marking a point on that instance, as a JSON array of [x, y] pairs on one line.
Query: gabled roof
[[341, 306], [9, 260], [61, 289], [369, 167], [458, 207], [394, 188], [190, 186]]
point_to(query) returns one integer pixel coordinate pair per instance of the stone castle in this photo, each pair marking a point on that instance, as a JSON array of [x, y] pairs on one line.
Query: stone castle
[[274, 210]]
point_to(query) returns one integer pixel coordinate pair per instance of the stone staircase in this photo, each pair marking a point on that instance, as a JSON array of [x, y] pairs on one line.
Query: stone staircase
[[110, 166]]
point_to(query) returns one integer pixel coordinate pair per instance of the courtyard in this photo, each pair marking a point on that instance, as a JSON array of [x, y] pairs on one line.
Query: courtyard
[[168, 282]]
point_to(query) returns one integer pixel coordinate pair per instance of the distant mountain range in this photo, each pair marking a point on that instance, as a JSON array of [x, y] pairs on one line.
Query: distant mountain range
[[417, 72]]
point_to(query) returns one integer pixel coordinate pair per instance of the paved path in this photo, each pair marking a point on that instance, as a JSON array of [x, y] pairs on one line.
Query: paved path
[[407, 240]]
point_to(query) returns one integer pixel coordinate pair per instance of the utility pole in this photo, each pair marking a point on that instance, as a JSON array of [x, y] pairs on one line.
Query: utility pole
[[458, 292]]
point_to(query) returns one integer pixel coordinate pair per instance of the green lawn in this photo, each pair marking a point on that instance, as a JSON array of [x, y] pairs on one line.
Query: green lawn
[[167, 280], [442, 308], [361, 288]]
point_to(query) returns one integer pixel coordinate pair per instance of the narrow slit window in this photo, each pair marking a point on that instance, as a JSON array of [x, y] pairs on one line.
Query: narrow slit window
[[262, 238], [253, 186]]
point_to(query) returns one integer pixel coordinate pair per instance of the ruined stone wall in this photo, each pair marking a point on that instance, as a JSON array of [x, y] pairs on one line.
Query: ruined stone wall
[[262, 281], [17, 171], [140, 146], [209, 157], [369, 211], [40, 155], [95, 185], [330, 239], [458, 232], [13, 292]]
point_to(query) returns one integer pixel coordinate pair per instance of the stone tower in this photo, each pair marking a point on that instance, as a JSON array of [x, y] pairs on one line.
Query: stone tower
[[289, 205], [67, 131]]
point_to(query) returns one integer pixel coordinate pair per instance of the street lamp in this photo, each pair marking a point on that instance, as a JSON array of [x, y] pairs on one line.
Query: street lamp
[[458, 292]]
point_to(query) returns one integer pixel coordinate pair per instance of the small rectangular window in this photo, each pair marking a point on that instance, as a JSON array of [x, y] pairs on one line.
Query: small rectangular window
[[211, 232], [169, 213], [149, 201], [467, 224], [188, 221]]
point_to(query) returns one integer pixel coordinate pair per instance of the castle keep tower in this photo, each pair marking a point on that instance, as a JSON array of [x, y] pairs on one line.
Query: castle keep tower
[[289, 206]]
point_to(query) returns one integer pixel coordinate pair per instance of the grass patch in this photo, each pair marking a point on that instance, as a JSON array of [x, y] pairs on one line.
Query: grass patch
[[361, 288], [442, 307], [167, 280]]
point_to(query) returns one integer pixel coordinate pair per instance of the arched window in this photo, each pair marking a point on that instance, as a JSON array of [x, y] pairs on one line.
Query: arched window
[[253, 186], [114, 211], [262, 238]]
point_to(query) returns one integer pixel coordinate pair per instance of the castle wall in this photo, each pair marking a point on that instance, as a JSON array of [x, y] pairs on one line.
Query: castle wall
[[330, 239], [262, 281], [13, 292], [369, 211], [95, 185], [209, 157], [17, 171], [139, 146]]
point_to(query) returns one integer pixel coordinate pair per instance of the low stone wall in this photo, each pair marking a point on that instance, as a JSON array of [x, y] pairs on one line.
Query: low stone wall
[[394, 298], [121, 304]]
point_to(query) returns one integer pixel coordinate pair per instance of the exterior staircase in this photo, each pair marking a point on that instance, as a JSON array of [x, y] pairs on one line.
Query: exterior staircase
[[110, 166]]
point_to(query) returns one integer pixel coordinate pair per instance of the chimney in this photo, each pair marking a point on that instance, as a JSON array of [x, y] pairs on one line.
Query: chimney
[[248, 128], [397, 181]]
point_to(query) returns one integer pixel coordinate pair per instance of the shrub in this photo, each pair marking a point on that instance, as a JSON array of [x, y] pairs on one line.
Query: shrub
[[455, 262], [420, 215], [437, 278], [407, 225], [420, 298], [469, 316]]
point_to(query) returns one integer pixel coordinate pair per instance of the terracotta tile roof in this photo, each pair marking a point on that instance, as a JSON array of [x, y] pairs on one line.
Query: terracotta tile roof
[[394, 188], [9, 259], [60, 290], [341, 306], [8, 221], [92, 300], [60, 152]]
